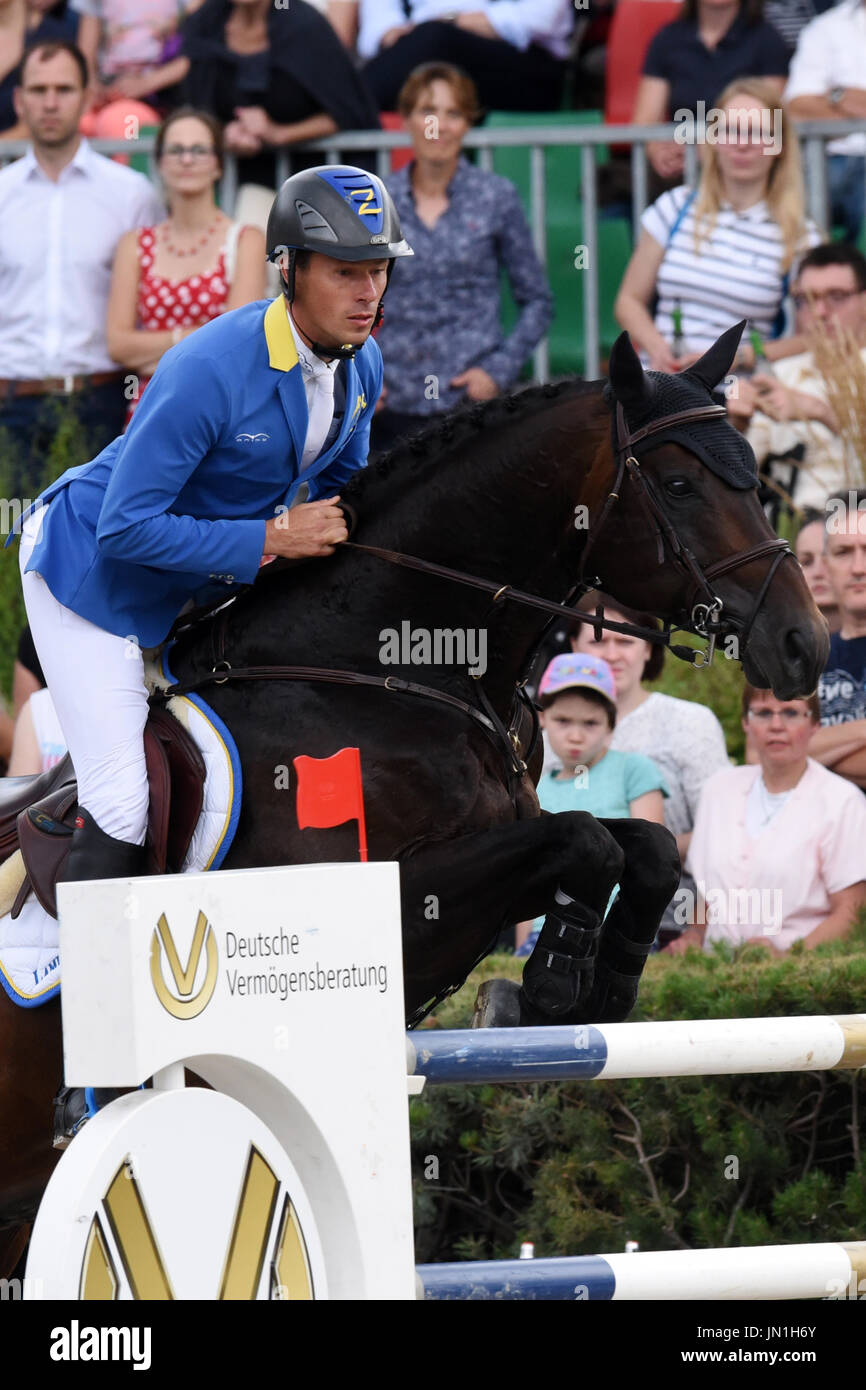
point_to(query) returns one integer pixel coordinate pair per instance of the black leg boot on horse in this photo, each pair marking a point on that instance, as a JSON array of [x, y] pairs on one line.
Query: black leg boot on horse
[[652, 874], [559, 977], [94, 855]]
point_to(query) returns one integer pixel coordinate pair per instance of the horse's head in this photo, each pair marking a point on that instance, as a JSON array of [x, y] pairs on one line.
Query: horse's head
[[692, 541]]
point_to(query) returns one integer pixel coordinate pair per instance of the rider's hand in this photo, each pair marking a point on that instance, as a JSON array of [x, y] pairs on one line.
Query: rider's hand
[[310, 529]]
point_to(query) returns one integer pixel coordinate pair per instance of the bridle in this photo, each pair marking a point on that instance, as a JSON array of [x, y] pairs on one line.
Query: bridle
[[703, 608]]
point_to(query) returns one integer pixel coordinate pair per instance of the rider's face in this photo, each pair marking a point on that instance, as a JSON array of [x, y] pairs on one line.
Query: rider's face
[[336, 301]]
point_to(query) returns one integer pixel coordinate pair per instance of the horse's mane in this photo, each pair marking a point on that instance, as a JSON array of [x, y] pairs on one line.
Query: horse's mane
[[445, 439]]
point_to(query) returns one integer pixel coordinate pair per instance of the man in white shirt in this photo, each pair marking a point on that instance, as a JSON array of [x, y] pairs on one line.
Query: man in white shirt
[[791, 407], [514, 50], [827, 81], [63, 209]]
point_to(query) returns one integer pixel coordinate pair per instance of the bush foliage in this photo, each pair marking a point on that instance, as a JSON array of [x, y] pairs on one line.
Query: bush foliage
[[582, 1167]]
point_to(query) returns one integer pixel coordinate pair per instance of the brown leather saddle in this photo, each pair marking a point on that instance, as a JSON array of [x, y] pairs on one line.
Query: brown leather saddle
[[37, 814]]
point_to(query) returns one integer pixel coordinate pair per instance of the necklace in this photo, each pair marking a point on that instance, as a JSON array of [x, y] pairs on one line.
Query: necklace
[[197, 246]]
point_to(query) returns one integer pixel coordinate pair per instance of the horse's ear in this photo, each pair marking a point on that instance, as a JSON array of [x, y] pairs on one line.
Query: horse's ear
[[626, 375], [718, 360]]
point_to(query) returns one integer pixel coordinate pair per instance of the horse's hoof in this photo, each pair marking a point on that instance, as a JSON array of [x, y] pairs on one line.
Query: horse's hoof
[[497, 1005]]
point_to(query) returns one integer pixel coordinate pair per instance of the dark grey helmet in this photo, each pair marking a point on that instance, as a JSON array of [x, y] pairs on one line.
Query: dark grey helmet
[[337, 210]]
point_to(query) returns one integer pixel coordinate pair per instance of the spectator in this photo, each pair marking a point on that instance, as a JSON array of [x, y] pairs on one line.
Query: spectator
[[715, 43], [683, 738], [515, 52], [63, 210], [39, 743], [809, 549], [791, 407], [18, 30], [790, 17], [275, 75], [828, 82], [60, 11], [170, 279], [577, 699], [721, 252], [779, 850], [840, 743], [441, 339], [27, 674], [133, 49]]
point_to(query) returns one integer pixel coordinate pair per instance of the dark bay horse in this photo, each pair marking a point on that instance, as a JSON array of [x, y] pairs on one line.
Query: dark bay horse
[[517, 492]]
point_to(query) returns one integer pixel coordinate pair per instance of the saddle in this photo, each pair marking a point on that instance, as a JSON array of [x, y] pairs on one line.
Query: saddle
[[37, 814]]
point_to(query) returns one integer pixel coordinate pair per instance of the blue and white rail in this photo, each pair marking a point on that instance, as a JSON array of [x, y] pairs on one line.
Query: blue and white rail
[[832, 1271], [615, 1051]]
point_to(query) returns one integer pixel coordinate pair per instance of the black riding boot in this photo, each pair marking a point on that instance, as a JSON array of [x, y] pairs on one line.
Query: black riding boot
[[94, 855]]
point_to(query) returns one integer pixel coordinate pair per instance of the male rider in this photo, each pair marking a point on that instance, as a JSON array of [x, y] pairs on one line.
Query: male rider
[[243, 438]]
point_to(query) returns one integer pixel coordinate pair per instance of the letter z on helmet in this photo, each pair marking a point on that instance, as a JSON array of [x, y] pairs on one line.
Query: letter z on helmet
[[337, 210]]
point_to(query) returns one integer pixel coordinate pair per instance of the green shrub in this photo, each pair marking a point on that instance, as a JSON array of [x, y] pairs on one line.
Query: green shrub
[[582, 1167]]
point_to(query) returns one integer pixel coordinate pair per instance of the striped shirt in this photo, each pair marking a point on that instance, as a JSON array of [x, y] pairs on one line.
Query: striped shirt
[[736, 275]]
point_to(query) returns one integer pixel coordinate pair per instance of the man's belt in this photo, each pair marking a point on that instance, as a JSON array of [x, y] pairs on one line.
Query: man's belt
[[56, 385]]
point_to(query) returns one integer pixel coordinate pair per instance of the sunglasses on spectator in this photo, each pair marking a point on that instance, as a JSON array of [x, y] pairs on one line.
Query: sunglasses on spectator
[[789, 716], [196, 151], [805, 301]]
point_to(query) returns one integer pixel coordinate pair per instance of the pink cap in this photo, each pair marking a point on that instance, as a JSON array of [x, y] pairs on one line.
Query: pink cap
[[576, 670]]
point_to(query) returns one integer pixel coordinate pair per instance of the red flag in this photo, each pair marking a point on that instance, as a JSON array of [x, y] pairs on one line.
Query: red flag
[[330, 792]]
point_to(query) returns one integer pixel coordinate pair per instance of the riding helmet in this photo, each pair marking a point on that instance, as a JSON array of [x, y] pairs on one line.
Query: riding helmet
[[337, 210]]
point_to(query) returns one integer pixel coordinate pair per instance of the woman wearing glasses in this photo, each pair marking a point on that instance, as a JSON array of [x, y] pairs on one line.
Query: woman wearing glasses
[[710, 256], [778, 850], [170, 279]]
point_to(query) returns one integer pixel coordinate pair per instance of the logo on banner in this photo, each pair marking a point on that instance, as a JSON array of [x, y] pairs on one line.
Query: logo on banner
[[203, 959], [122, 1246]]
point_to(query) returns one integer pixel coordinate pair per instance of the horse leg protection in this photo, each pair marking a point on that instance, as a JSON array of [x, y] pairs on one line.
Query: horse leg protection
[[652, 873], [558, 977]]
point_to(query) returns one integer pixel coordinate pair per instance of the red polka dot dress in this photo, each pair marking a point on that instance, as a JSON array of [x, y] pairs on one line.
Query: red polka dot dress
[[165, 304]]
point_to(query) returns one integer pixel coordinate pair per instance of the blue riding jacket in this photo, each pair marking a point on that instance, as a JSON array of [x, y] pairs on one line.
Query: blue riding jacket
[[176, 508]]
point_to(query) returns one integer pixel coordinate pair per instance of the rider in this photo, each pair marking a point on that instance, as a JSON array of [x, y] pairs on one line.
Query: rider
[[235, 452]]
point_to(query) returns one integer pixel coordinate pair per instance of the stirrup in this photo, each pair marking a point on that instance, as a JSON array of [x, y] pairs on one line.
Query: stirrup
[[73, 1107]]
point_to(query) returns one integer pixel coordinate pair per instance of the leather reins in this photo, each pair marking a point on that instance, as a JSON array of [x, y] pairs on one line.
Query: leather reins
[[704, 606]]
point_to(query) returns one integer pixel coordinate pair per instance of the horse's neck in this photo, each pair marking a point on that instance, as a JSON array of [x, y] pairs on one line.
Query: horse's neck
[[520, 519]]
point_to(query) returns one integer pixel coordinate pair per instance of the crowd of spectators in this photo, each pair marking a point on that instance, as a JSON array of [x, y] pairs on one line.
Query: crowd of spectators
[[103, 269]]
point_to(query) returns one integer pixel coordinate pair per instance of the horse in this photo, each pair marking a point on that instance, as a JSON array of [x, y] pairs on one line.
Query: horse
[[542, 492]]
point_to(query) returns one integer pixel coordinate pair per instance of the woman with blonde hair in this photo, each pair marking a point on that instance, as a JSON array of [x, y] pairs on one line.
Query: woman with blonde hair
[[722, 252]]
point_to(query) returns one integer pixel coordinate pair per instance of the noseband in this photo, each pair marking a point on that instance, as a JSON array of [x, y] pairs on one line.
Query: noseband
[[703, 606]]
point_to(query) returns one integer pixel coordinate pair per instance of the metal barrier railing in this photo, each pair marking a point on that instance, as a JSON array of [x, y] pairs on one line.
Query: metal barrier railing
[[813, 137]]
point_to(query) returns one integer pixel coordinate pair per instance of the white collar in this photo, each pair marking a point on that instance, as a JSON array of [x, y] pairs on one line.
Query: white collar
[[82, 160], [307, 358]]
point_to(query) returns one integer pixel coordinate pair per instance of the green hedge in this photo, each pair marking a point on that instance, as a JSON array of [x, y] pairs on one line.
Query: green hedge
[[68, 448], [582, 1167]]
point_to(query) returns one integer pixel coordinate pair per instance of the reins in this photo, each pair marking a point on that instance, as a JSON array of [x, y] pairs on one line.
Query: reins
[[703, 608]]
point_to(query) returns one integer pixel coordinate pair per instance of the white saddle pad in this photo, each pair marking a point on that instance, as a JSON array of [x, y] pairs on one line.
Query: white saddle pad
[[29, 946]]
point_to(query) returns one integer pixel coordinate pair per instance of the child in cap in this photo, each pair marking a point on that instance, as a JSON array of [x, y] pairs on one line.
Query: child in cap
[[577, 700]]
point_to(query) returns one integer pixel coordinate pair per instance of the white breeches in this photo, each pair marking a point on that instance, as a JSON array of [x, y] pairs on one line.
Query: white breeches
[[97, 683]]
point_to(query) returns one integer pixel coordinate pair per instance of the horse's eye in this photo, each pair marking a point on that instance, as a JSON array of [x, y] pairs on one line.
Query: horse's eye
[[678, 487]]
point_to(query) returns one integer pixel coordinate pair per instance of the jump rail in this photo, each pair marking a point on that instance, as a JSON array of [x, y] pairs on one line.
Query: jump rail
[[762, 1272], [617, 1051]]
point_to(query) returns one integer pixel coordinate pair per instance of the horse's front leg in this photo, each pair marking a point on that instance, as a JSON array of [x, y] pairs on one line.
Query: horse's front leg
[[649, 881], [458, 895]]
